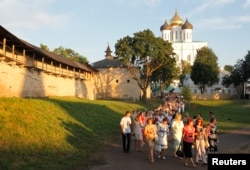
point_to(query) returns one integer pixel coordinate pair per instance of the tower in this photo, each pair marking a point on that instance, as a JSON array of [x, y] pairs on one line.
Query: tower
[[180, 34]]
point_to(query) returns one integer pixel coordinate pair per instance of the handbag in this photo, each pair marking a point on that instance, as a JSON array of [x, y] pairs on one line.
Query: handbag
[[179, 152]]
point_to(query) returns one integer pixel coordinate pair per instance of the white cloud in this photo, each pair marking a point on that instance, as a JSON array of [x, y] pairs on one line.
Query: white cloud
[[221, 2], [29, 14], [202, 6], [247, 3], [225, 23]]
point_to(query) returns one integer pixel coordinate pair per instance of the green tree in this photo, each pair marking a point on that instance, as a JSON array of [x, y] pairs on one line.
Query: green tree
[[186, 68], [166, 74], [205, 70], [71, 54], [44, 47], [187, 94], [239, 75], [67, 53], [228, 68], [143, 53]]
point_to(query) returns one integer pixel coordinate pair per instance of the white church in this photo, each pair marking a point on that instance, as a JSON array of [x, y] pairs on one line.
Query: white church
[[180, 34]]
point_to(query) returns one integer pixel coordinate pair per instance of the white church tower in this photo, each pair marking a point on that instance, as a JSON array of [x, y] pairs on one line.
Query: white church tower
[[180, 34]]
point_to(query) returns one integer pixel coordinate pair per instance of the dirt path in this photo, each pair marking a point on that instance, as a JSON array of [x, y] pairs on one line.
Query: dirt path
[[238, 141]]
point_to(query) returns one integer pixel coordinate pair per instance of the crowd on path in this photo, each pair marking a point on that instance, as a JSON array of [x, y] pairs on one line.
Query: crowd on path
[[170, 122]]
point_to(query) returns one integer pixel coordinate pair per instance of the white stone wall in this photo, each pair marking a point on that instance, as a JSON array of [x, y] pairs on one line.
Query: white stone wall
[[187, 50], [18, 81]]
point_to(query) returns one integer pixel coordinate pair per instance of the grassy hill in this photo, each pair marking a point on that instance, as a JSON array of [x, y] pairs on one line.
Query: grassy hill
[[70, 133]]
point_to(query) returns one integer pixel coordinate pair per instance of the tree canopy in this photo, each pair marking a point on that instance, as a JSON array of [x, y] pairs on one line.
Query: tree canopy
[[205, 70], [228, 68], [143, 53], [67, 53], [240, 74]]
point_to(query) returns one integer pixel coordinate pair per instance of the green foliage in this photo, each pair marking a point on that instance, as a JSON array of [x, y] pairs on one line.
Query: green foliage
[[71, 54], [167, 73], [228, 68], [67, 53], [186, 93], [44, 47], [205, 70], [186, 68], [146, 53], [239, 75]]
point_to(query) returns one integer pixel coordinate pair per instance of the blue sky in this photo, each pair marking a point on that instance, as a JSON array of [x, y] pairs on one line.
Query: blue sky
[[86, 26]]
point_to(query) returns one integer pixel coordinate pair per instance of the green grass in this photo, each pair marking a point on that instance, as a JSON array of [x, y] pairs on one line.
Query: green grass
[[70, 133], [230, 114]]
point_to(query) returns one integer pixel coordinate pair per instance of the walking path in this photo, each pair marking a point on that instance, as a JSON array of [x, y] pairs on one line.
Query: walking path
[[237, 141]]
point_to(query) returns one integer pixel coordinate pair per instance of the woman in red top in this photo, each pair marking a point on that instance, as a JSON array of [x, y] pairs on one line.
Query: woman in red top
[[188, 140]]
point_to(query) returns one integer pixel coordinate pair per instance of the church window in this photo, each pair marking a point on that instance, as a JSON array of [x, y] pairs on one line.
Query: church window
[[128, 81], [180, 35], [117, 81]]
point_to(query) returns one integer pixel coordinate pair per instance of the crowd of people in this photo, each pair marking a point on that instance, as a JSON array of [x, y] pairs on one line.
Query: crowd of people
[[170, 122]]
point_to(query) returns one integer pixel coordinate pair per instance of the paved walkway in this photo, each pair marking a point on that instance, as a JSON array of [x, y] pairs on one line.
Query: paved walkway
[[238, 141]]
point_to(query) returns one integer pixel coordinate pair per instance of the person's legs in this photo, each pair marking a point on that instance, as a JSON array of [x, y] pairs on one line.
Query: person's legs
[[176, 145], [163, 153], [150, 150], [187, 148], [197, 146], [124, 142], [128, 142], [203, 152]]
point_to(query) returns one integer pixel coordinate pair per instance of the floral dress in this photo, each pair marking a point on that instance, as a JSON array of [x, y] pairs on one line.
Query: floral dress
[[162, 132]]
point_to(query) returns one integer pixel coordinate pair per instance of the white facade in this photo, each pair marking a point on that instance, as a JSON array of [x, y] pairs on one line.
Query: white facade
[[180, 34], [216, 88]]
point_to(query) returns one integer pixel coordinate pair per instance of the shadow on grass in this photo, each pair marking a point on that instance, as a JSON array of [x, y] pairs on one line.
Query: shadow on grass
[[97, 129]]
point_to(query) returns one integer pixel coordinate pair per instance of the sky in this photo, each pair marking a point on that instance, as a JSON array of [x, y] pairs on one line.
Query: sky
[[88, 26]]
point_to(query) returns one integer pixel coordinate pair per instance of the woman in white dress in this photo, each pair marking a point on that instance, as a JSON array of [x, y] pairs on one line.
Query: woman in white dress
[[162, 132], [176, 129], [137, 132]]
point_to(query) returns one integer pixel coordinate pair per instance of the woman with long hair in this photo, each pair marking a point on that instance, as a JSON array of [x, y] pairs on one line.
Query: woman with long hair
[[212, 135], [200, 136]]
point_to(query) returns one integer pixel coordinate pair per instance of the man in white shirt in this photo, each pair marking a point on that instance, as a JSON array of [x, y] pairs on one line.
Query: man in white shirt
[[126, 131]]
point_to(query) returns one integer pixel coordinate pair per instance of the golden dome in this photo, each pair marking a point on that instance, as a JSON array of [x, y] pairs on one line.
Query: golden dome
[[187, 25], [165, 26], [176, 20]]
